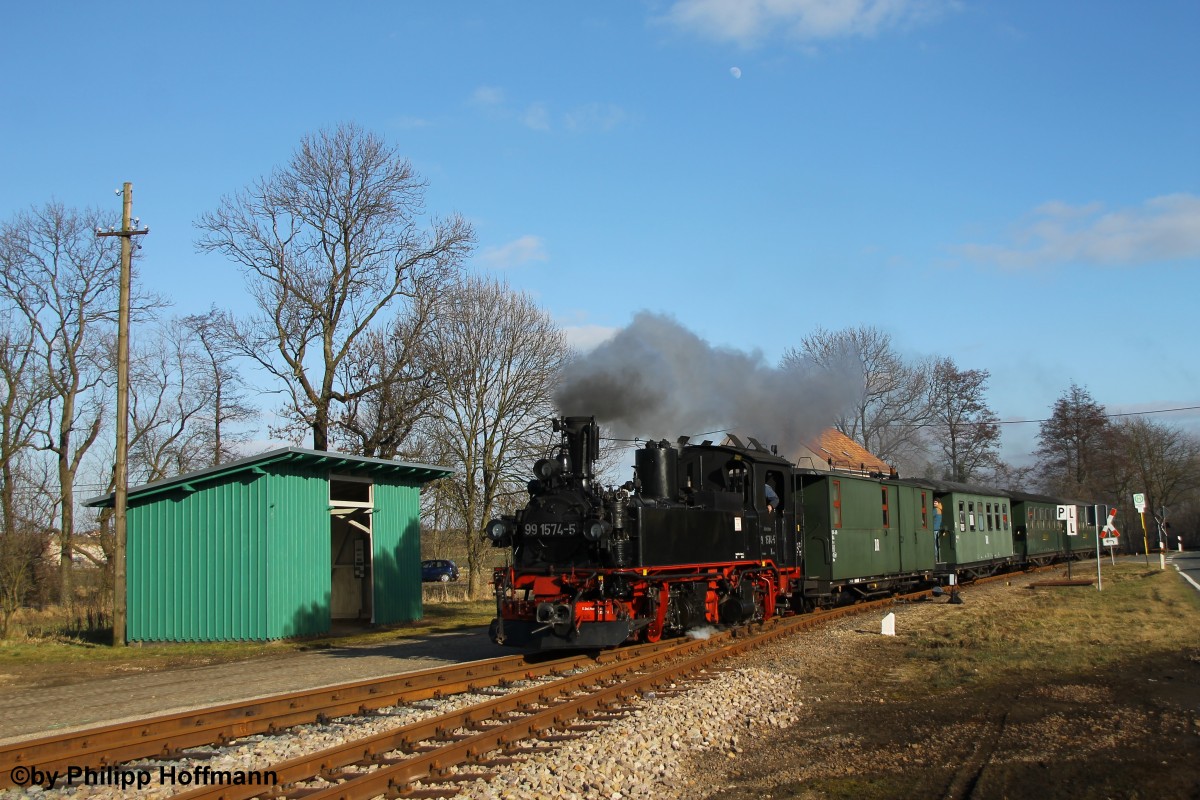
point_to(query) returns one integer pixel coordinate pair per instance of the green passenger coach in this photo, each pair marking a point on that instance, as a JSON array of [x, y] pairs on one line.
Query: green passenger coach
[[863, 536], [976, 533], [1038, 535]]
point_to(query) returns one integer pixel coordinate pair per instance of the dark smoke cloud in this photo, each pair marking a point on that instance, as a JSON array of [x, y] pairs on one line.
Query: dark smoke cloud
[[657, 380]]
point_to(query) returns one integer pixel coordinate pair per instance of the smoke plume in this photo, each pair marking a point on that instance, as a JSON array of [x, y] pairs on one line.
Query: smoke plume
[[657, 380]]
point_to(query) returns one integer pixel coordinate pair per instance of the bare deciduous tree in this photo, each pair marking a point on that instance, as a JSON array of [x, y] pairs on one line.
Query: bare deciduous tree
[[61, 281], [1071, 444], [396, 362], [1161, 461], [498, 355], [893, 408], [329, 243], [23, 545], [25, 394], [963, 427], [167, 398], [222, 385]]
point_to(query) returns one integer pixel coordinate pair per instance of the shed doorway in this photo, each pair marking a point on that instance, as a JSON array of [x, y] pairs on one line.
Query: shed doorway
[[351, 582]]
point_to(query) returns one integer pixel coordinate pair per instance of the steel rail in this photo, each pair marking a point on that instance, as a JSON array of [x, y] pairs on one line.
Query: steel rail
[[540, 706], [488, 727], [169, 734]]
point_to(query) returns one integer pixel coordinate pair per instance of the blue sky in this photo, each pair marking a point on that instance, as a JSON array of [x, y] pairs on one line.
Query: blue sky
[[1015, 184]]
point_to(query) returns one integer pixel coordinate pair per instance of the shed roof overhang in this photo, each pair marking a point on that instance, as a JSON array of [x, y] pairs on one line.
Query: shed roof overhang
[[262, 464]]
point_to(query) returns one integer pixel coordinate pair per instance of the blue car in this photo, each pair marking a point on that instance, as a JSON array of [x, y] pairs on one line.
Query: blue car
[[438, 569]]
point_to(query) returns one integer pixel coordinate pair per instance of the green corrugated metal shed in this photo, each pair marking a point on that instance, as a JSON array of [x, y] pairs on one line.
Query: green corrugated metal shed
[[273, 546]]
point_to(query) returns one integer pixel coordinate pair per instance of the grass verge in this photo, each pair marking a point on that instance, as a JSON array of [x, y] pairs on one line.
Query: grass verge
[[1140, 611], [59, 660]]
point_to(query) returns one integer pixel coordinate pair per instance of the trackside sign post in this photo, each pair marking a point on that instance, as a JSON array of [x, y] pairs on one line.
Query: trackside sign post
[[1139, 502], [1110, 532], [1067, 514]]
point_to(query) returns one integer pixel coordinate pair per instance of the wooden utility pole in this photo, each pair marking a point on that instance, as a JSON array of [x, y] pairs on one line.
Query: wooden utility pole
[[121, 465]]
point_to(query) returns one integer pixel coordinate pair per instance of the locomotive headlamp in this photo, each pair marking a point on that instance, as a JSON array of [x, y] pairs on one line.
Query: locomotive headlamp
[[545, 468], [496, 530], [594, 531]]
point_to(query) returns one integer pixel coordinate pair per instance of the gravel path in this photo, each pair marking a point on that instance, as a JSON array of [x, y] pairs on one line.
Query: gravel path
[[25, 713]]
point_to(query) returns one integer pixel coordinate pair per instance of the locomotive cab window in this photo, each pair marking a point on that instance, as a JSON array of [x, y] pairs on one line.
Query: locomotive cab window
[[773, 493], [734, 478]]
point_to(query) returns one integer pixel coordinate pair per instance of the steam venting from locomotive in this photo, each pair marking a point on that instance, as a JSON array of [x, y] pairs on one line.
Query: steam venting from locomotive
[[656, 378]]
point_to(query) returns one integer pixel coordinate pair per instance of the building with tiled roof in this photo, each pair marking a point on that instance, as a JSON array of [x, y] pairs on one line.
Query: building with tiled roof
[[834, 450]]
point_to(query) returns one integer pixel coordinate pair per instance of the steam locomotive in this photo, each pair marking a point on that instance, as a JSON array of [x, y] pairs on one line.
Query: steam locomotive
[[731, 533]]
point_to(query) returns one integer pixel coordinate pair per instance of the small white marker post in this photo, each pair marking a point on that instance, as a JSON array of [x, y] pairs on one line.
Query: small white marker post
[[889, 625]]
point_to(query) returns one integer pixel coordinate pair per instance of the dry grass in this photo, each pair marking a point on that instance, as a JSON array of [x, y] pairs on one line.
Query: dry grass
[[26, 660], [1075, 629]]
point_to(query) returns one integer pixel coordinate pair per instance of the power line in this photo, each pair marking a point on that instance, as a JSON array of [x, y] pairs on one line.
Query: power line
[[1123, 414], [997, 422]]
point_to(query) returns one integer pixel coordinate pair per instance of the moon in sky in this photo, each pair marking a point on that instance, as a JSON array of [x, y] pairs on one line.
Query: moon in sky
[[735, 72]]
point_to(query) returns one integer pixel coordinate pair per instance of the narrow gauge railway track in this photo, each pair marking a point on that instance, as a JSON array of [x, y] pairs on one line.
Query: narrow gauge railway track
[[170, 735], [420, 759]]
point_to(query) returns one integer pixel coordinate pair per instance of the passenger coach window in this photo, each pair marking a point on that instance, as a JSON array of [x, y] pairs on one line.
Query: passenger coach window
[[837, 504], [1005, 507], [971, 514], [962, 516], [886, 523], [924, 512]]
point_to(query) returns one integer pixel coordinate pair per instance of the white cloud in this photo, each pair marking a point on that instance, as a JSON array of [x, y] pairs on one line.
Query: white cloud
[[488, 96], [749, 21], [515, 253], [594, 117], [536, 117], [539, 116], [1163, 228], [410, 123]]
